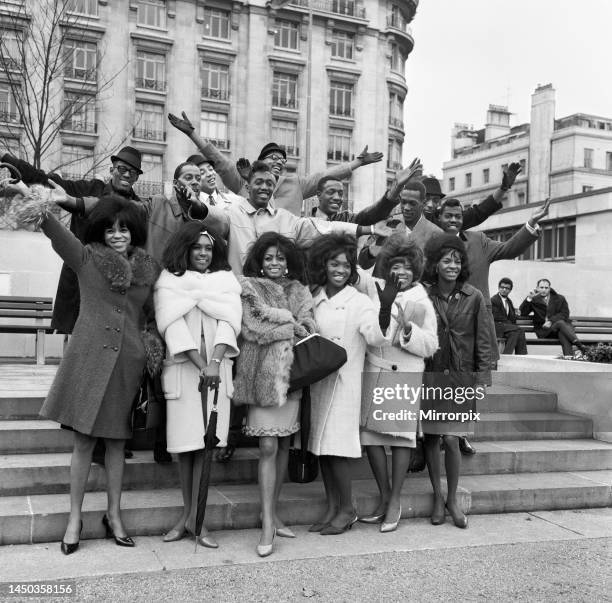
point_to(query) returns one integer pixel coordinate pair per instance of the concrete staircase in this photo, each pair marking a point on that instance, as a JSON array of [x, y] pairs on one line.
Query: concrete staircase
[[530, 457]]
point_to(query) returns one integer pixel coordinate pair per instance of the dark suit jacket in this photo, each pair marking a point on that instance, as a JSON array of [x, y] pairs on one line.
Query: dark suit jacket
[[499, 314], [557, 309]]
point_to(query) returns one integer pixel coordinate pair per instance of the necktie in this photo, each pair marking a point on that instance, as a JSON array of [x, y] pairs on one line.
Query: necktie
[[211, 201]]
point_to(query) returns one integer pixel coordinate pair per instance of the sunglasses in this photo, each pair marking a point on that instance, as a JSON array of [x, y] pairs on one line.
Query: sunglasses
[[279, 158], [126, 170]]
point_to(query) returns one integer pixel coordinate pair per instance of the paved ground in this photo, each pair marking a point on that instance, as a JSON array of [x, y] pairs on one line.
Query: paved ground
[[543, 556]]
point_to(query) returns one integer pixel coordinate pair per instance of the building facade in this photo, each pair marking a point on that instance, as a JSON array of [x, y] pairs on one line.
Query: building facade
[[323, 78], [568, 159]]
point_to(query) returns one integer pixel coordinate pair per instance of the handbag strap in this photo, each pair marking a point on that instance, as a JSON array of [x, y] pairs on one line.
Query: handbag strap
[[304, 419]]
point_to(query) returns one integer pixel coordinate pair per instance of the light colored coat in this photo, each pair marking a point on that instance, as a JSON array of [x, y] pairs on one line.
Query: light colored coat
[[349, 319]]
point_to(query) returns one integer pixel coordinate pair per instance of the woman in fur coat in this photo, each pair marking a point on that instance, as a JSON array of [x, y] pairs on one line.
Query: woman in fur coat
[[277, 312], [102, 367], [412, 331], [198, 313], [350, 319]]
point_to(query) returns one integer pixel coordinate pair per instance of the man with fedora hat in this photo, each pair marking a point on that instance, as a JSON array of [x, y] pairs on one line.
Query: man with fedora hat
[[125, 170], [290, 190]]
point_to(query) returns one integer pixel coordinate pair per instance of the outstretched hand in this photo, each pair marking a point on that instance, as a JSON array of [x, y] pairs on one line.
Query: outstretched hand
[[510, 174], [365, 158], [184, 125], [57, 193], [402, 177], [389, 293], [538, 214], [243, 165]]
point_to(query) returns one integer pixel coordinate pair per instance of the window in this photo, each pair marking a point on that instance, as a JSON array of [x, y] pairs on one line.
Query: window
[[396, 60], [586, 188], [215, 81], [77, 162], [152, 13], [588, 158], [342, 44], [79, 113], [152, 180], [8, 109], [217, 23], [520, 196], [339, 144], [150, 71], [451, 184], [558, 241], [284, 90], [523, 163], [396, 19], [149, 122], [504, 167], [341, 99], [213, 126], [83, 7], [11, 49], [80, 60], [485, 176], [396, 110], [394, 154], [284, 132], [468, 180], [287, 35], [609, 161]]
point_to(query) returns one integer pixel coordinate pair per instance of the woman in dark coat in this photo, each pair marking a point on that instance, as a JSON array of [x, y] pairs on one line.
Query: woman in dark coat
[[462, 361], [103, 363]]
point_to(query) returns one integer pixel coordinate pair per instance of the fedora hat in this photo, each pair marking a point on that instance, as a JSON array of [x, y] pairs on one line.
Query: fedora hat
[[199, 160], [432, 186], [129, 155], [270, 148]]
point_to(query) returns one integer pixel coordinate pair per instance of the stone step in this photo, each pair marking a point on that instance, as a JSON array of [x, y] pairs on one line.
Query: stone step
[[15, 404], [531, 426], [42, 518], [22, 474], [33, 435]]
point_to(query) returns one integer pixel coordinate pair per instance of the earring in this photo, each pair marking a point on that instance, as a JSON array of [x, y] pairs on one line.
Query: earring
[[261, 272], [286, 271]]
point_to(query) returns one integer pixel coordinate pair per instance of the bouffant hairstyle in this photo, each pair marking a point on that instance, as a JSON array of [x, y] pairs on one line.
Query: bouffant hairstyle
[[258, 166], [436, 248], [326, 248], [111, 209], [295, 258], [400, 247], [175, 258]]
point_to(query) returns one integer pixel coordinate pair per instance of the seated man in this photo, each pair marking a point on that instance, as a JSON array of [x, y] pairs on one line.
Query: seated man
[[551, 316], [504, 317]]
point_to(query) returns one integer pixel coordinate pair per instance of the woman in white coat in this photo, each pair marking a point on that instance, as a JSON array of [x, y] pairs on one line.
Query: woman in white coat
[[350, 319], [412, 332], [198, 312]]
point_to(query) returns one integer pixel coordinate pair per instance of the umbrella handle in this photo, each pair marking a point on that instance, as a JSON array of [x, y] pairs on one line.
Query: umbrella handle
[[214, 407]]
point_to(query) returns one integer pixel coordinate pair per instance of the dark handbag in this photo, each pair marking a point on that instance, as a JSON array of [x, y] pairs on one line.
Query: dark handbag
[[303, 465], [314, 358], [147, 406], [417, 458]]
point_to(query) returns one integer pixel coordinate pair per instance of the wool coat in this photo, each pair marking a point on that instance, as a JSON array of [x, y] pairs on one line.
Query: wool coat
[[402, 362], [274, 315], [349, 319], [103, 363], [556, 309]]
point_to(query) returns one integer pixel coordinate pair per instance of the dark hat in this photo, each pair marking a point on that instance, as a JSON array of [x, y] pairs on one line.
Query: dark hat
[[271, 147], [199, 159], [129, 155], [432, 186]]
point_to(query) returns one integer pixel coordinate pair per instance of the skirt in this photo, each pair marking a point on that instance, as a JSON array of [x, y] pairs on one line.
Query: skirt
[[274, 420]]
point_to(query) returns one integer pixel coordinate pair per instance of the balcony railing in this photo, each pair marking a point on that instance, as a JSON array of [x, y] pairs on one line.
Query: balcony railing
[[10, 63], [220, 143], [291, 151], [149, 134], [333, 155], [342, 111], [144, 188], [216, 93], [87, 75], [396, 122], [284, 103], [337, 7], [8, 116], [148, 84], [72, 175], [398, 23], [80, 126]]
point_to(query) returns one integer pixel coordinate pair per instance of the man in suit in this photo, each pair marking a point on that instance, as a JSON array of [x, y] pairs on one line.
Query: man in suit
[[551, 316], [504, 317]]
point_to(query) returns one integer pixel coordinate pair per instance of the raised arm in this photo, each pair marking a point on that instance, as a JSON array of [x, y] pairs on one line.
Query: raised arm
[[223, 166]]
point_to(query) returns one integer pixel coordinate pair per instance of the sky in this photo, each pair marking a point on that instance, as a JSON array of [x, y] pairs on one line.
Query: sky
[[471, 53]]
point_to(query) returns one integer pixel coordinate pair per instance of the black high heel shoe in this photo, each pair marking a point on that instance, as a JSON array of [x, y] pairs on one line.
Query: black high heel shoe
[[70, 547], [461, 520], [331, 530], [119, 540]]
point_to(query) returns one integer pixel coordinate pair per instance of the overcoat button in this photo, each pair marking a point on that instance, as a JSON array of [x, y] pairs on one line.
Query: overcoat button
[[446, 372], [118, 330], [115, 348], [119, 310], [394, 367], [122, 291], [104, 346]]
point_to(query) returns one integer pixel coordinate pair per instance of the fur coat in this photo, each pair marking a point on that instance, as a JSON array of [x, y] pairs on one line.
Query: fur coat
[[274, 315]]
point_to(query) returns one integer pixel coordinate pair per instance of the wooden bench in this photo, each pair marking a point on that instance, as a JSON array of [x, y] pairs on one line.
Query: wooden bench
[[37, 310], [590, 330]]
